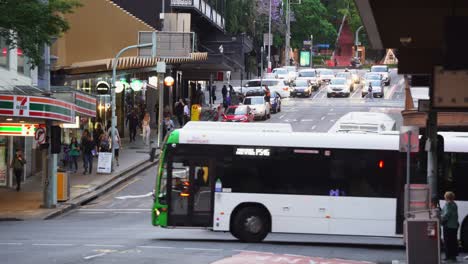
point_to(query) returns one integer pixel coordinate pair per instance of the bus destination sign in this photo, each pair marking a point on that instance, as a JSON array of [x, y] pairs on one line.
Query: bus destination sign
[[253, 152]]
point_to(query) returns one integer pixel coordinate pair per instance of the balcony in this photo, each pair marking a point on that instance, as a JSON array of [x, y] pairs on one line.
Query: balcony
[[203, 8]]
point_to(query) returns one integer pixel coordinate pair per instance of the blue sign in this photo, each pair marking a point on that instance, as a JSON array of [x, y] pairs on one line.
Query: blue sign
[[322, 46]]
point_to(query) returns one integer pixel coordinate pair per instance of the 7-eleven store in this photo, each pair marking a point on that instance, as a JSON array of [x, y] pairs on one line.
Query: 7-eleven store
[[22, 115]]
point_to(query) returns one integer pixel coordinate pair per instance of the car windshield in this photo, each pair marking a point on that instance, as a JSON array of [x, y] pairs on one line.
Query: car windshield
[[375, 82], [280, 71], [290, 69], [307, 74], [379, 69], [373, 77], [338, 81], [326, 72], [236, 111], [264, 82], [301, 83], [253, 100]]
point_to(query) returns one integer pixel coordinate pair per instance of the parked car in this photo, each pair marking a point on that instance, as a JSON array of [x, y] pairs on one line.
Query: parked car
[[261, 109], [349, 79], [238, 113], [301, 88], [280, 73], [311, 76], [325, 75], [275, 102], [377, 88], [383, 71], [275, 85], [338, 87], [292, 72]]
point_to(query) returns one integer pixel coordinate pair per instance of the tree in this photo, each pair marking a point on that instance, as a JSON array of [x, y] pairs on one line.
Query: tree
[[30, 24], [311, 19]]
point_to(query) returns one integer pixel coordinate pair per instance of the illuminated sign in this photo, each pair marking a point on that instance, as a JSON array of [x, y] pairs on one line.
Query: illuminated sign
[[304, 58], [253, 152], [13, 129]]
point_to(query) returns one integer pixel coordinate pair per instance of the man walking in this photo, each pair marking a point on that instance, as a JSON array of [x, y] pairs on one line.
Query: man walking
[[89, 149], [179, 111], [18, 168], [133, 124]]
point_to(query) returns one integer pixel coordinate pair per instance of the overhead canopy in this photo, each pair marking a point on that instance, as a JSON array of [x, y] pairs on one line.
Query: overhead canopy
[[415, 28]]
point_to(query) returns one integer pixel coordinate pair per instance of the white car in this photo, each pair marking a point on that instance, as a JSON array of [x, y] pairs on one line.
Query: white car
[[383, 71], [364, 122], [292, 73], [275, 85], [338, 87], [280, 73], [325, 75], [309, 75], [259, 106], [349, 79]]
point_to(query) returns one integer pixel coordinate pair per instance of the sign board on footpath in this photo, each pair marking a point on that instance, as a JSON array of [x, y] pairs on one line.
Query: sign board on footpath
[[104, 162]]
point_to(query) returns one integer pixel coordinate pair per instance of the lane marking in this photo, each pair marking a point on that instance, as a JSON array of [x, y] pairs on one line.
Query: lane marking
[[134, 196], [204, 249], [97, 245], [331, 114], [322, 118], [53, 245], [10, 244], [281, 117], [313, 127], [95, 256], [156, 247], [331, 109], [307, 120]]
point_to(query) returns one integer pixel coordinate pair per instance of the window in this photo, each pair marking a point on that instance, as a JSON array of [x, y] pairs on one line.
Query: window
[[5, 54], [23, 63], [454, 178]]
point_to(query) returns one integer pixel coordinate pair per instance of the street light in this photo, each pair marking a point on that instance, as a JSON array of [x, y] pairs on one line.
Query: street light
[[169, 81], [356, 40]]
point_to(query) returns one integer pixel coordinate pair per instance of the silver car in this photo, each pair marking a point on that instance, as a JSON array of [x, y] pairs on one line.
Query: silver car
[[260, 108]]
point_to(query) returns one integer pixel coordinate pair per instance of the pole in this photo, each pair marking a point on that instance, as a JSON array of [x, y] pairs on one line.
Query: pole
[[261, 61], [161, 108], [210, 90], [269, 41], [113, 102], [432, 154], [408, 171], [311, 50], [286, 51], [356, 40]]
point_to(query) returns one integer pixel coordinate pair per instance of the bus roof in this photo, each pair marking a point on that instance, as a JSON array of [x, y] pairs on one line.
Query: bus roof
[[238, 127]]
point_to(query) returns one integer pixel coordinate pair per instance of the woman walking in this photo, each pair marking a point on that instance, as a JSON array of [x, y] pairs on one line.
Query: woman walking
[[146, 129], [74, 154], [450, 226]]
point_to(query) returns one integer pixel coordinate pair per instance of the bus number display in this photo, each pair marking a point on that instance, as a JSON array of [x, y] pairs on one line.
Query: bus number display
[[253, 152]]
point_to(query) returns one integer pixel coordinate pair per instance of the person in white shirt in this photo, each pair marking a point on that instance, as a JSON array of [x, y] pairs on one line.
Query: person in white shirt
[[116, 141], [146, 129], [186, 113]]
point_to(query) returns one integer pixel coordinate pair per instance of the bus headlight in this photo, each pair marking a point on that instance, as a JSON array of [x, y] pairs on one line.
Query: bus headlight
[[156, 211]]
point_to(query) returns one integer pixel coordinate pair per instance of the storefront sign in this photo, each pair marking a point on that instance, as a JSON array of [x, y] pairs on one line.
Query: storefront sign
[[14, 129], [104, 162], [40, 135]]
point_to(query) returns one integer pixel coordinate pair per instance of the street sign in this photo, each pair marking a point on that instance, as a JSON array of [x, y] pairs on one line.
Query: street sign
[[40, 135], [161, 67], [168, 44], [267, 41], [409, 137], [307, 42]]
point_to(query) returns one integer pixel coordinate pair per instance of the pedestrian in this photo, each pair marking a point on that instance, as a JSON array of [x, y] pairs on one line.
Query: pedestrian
[[88, 145], [449, 219], [369, 91], [133, 124], [179, 112], [168, 125], [74, 154], [335, 61], [117, 144], [267, 95], [213, 93], [98, 133], [104, 143], [231, 91], [108, 126], [146, 129], [200, 95], [224, 92], [186, 113], [18, 168]]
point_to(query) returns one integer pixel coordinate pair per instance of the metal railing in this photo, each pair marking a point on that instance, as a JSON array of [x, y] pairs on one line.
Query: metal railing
[[202, 7]]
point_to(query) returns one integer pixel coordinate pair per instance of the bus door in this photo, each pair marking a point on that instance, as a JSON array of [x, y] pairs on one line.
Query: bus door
[[191, 192]]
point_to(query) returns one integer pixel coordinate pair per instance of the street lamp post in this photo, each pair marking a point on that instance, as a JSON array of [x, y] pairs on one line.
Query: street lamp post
[[311, 50], [286, 55], [356, 40], [269, 41]]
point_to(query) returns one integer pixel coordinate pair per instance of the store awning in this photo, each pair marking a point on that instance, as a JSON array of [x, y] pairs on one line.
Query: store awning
[[126, 63]]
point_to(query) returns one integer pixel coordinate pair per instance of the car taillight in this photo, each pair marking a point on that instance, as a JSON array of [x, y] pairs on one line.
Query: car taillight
[[285, 88]]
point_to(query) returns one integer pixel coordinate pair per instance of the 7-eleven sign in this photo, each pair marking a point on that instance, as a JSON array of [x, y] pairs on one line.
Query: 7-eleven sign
[[21, 106]]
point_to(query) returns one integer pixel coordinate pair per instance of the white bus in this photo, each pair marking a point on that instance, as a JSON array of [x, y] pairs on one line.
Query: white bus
[[251, 182]]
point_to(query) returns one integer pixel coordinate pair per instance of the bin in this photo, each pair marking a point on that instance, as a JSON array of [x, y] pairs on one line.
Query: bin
[[63, 186]]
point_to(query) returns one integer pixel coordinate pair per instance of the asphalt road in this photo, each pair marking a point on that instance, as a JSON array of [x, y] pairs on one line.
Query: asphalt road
[[116, 227]]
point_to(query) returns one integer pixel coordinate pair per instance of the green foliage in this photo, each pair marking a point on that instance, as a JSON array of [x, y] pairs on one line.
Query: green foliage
[[311, 19], [30, 24], [240, 16]]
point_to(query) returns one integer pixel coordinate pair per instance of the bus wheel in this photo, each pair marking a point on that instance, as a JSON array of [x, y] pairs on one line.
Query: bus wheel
[[464, 235], [251, 224]]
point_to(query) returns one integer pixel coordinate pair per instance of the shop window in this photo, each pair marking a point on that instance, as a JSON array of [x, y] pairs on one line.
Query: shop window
[[23, 63], [4, 56]]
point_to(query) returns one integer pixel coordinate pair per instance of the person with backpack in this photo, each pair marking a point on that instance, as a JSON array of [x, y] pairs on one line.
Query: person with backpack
[[18, 168], [104, 143], [89, 149], [74, 154]]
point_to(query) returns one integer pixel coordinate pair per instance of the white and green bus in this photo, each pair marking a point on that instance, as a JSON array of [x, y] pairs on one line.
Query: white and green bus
[[253, 179]]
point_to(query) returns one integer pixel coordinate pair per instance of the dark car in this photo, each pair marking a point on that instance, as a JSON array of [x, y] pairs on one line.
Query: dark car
[[275, 101], [301, 88], [238, 113]]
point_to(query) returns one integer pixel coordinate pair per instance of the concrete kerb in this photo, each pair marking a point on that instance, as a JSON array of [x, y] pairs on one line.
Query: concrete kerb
[[103, 188]]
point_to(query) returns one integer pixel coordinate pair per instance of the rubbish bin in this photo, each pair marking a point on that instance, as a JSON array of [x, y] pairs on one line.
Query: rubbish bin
[[63, 186]]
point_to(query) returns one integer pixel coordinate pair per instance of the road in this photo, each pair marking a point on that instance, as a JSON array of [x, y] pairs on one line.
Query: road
[[116, 227]]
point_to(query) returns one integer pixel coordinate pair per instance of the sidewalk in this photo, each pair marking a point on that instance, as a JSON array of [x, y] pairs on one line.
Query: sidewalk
[[25, 205]]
